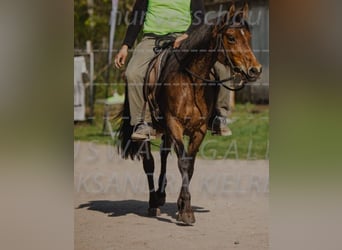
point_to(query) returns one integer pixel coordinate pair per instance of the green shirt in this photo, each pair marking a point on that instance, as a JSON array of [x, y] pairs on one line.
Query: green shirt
[[167, 16]]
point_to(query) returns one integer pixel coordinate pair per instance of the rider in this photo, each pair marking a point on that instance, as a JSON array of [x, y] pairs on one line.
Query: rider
[[162, 17]]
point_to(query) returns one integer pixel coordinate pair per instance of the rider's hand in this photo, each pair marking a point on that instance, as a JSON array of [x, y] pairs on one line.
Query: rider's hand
[[120, 58], [179, 40]]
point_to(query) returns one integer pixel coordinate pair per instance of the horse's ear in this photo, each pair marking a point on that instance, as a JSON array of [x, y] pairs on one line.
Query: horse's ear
[[242, 14], [245, 11], [231, 11], [224, 20]]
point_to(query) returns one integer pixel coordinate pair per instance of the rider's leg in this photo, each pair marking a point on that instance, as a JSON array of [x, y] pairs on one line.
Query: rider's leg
[[219, 123], [135, 73]]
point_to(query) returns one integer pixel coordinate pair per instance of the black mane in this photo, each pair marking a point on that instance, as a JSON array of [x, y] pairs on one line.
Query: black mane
[[198, 40]]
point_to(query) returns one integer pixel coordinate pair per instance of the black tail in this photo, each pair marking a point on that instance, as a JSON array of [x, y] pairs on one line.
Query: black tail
[[126, 147]]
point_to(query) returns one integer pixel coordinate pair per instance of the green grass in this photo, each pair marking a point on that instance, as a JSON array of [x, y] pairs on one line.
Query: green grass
[[249, 140]]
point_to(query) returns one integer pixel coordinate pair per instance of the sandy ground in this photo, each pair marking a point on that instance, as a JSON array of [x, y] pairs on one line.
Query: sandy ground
[[229, 197]]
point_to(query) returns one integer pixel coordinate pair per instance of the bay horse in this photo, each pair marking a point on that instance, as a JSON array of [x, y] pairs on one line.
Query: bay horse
[[186, 101]]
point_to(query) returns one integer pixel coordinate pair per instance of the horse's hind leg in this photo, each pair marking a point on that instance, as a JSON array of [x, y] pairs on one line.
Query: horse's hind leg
[[165, 149], [148, 163]]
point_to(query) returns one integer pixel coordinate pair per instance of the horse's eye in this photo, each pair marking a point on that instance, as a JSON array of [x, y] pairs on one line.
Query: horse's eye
[[231, 39]]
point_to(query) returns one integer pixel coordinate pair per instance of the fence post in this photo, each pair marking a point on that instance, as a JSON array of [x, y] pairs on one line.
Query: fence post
[[91, 81]]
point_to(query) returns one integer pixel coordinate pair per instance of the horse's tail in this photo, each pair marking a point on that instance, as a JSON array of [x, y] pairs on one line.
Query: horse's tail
[[126, 147]]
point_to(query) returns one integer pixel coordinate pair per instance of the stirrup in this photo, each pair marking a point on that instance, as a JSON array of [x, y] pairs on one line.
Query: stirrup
[[139, 137], [218, 131]]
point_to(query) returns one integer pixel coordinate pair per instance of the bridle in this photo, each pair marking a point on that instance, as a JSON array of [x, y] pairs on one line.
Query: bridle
[[219, 46]]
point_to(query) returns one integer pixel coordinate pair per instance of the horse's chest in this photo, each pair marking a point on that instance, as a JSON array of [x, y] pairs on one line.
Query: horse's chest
[[192, 114], [188, 105]]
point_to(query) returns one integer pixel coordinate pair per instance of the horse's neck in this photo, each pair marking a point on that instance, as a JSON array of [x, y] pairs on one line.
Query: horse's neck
[[203, 62]]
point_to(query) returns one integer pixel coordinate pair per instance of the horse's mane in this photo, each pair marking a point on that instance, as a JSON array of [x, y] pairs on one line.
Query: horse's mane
[[198, 41]]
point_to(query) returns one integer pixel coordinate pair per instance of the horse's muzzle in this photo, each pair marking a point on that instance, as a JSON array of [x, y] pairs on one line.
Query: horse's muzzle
[[254, 72], [251, 75]]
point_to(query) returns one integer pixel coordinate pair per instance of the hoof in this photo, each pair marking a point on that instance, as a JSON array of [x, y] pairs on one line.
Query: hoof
[[186, 217], [153, 212]]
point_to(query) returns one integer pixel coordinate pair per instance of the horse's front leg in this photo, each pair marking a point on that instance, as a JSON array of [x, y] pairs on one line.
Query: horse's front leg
[[148, 163], [186, 163], [186, 167]]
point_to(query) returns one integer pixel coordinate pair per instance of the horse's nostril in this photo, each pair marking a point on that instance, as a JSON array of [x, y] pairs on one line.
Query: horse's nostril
[[253, 71]]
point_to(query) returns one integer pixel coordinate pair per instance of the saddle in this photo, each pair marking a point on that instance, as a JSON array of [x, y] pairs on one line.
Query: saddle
[[152, 85]]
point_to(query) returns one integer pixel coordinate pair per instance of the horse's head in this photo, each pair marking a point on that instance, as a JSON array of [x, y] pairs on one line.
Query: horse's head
[[234, 41]]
